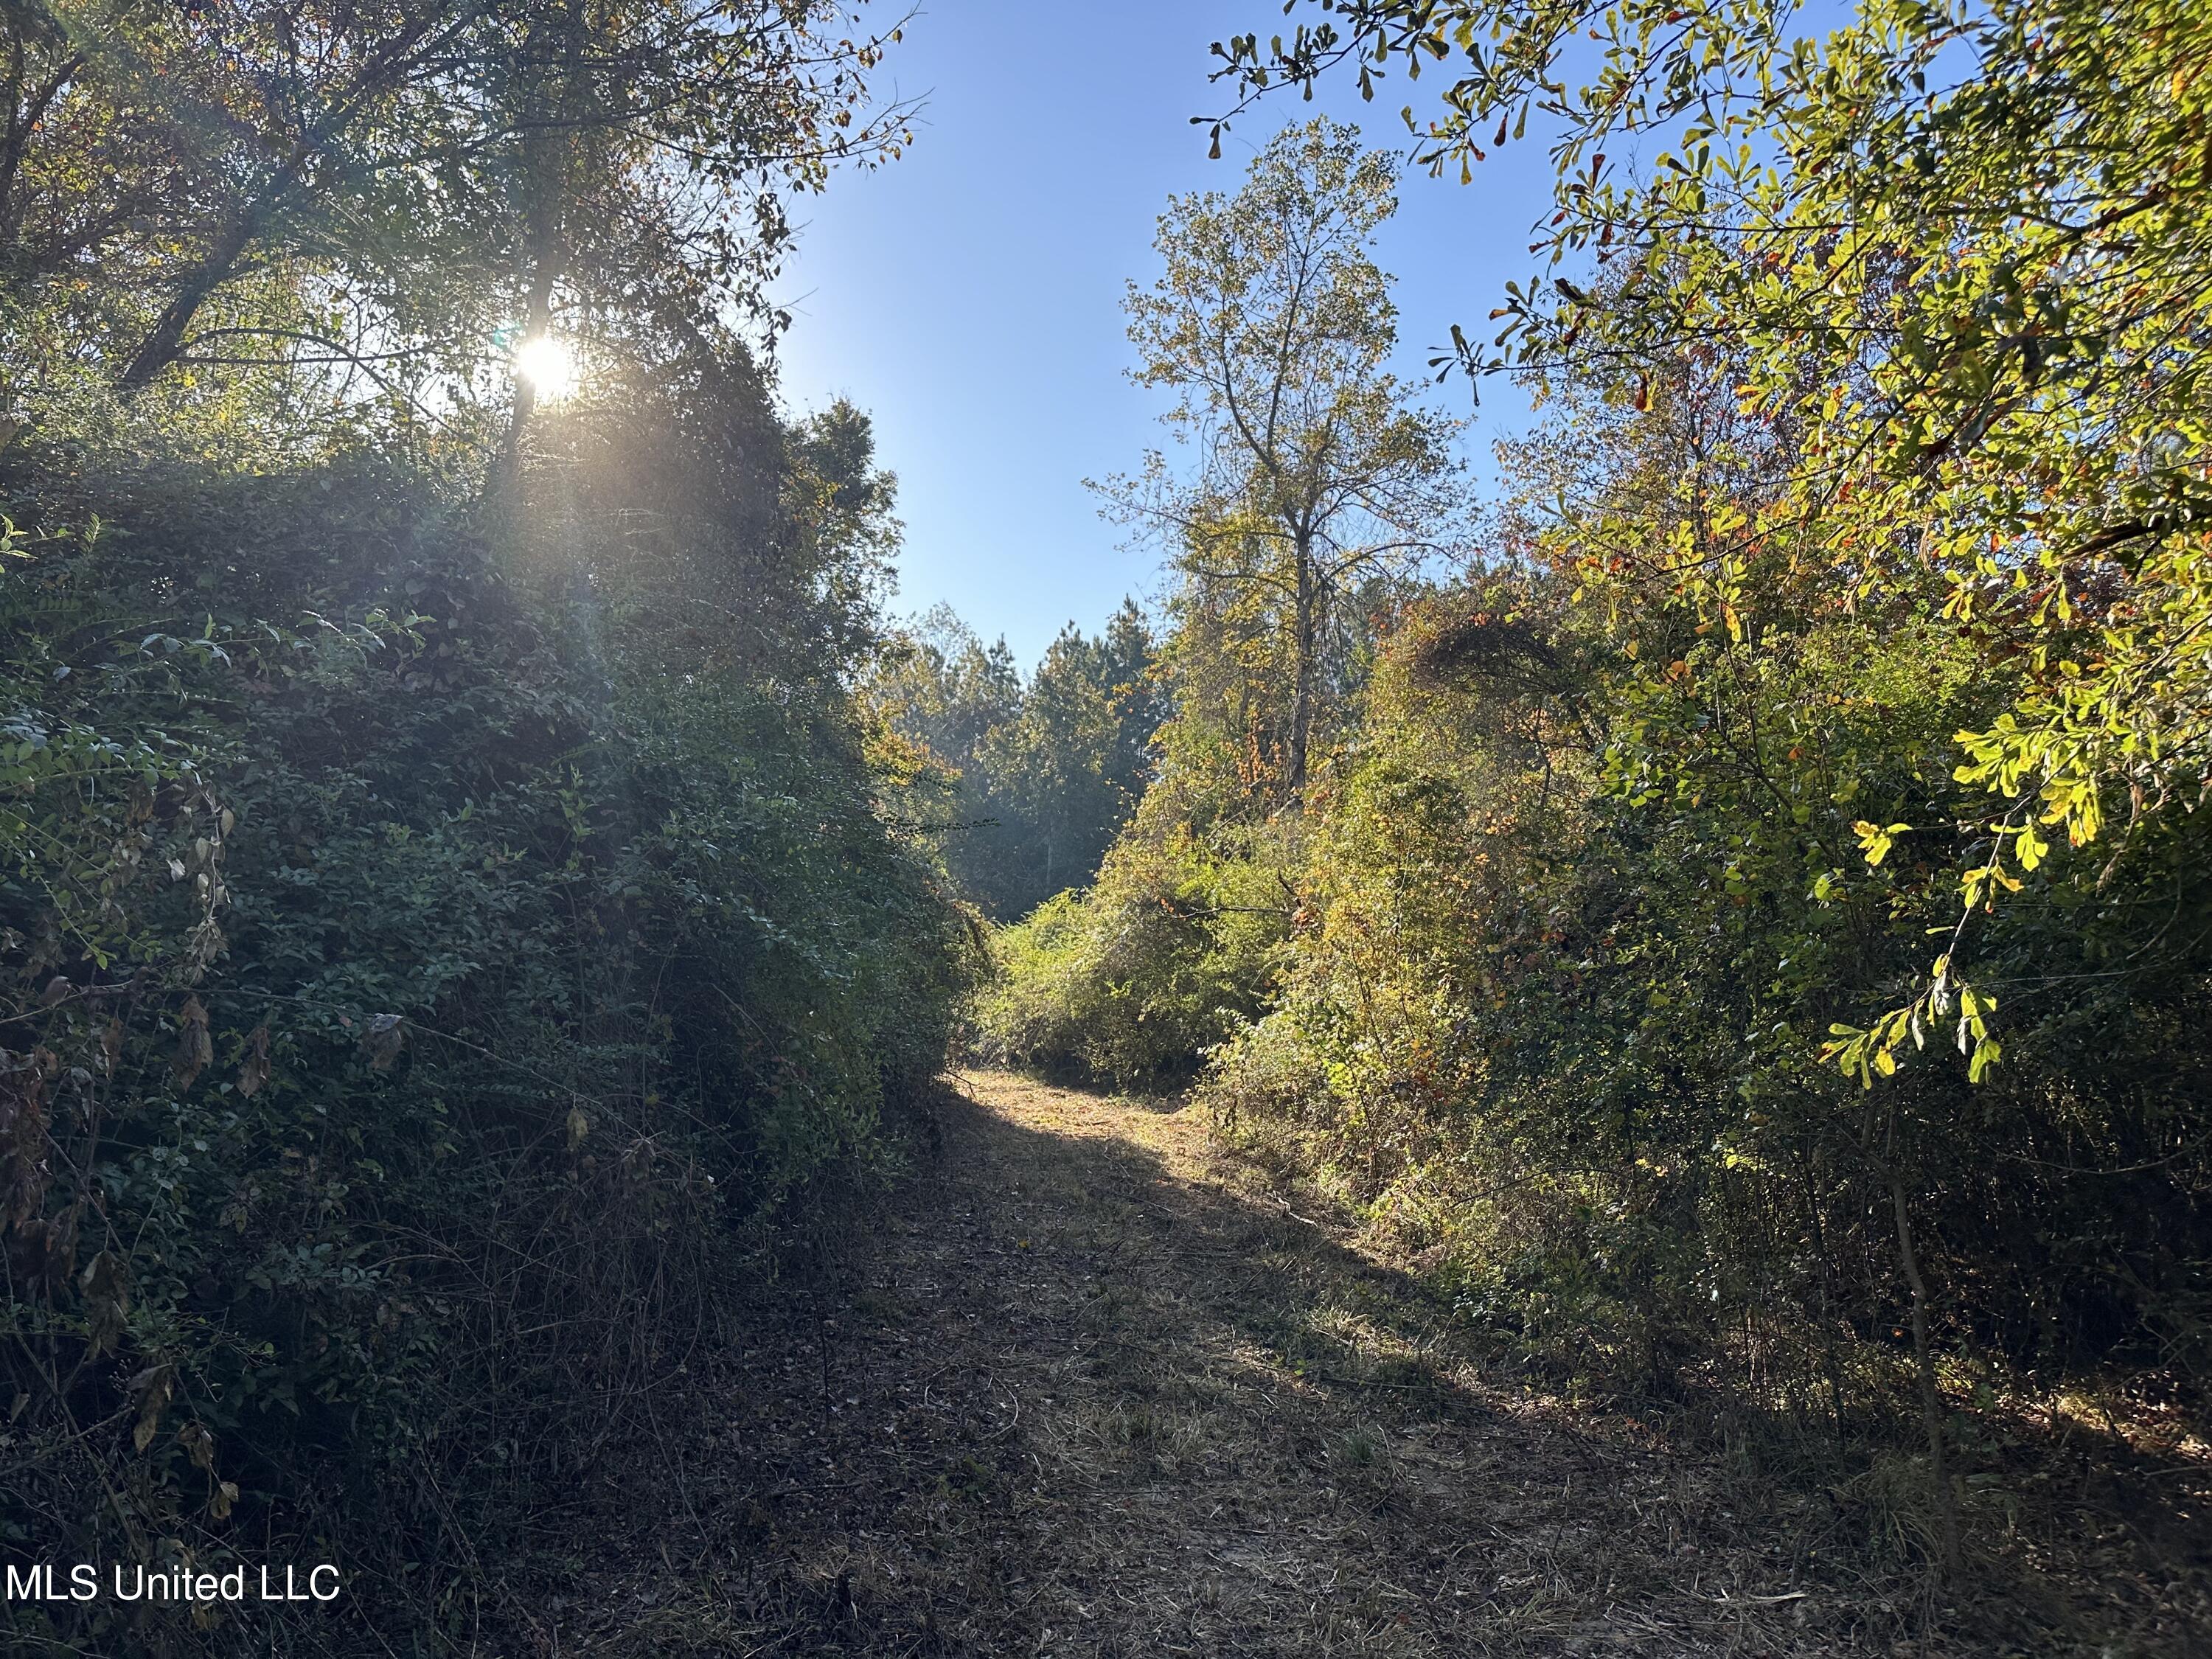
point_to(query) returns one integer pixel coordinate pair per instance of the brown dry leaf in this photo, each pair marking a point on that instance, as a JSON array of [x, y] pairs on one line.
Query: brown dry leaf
[[198, 1445], [106, 1286], [153, 1387], [254, 1072], [195, 1047], [386, 1036]]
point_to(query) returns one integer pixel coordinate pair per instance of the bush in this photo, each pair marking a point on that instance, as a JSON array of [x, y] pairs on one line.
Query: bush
[[1573, 937], [1133, 980], [431, 971]]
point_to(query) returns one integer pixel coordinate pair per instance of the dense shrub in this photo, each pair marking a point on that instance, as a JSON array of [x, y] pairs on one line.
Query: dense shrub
[[442, 936], [1134, 979], [1573, 933], [1844, 992]]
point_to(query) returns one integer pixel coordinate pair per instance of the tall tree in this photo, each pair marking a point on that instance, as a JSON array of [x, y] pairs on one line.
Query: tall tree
[[1272, 327], [1046, 769], [1963, 253], [391, 188], [1073, 764]]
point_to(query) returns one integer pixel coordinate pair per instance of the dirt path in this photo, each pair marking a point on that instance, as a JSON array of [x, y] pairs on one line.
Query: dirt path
[[1088, 1392]]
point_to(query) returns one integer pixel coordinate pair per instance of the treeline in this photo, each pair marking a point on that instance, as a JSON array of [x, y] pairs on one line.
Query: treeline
[[1740, 900], [1028, 781], [454, 908]]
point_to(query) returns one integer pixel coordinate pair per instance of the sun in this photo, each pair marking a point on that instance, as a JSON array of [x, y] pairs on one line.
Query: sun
[[549, 365]]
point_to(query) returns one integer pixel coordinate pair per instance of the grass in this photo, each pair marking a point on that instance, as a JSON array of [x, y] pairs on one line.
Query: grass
[[1094, 1387]]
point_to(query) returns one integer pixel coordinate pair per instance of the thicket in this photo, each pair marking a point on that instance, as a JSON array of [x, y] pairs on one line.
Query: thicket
[[432, 960], [1572, 936], [453, 909], [1745, 914], [1131, 980]]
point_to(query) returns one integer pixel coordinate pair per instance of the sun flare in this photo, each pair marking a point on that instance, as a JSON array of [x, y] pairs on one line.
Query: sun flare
[[549, 365]]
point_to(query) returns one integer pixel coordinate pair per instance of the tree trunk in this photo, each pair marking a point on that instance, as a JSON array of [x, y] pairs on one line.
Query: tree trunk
[[538, 316], [1829, 1364], [1304, 625], [25, 112], [1931, 1400], [164, 343]]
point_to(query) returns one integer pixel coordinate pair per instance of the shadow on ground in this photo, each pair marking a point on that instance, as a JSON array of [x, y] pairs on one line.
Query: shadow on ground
[[1076, 1394]]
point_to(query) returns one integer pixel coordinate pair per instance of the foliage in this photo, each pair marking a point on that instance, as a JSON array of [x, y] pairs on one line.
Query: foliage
[[1316, 474], [419, 1005], [1317, 489], [1571, 937], [1132, 980], [1043, 774], [379, 195], [1957, 251]]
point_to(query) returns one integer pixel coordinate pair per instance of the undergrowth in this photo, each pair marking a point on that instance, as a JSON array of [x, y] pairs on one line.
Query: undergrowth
[[451, 935]]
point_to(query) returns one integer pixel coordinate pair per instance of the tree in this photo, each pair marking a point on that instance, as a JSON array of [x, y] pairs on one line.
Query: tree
[[1271, 327], [1073, 763], [943, 687], [1956, 260], [390, 190], [1963, 253], [1046, 771]]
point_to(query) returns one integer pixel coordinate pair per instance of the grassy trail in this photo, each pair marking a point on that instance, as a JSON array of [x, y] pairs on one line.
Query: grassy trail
[[1092, 1390]]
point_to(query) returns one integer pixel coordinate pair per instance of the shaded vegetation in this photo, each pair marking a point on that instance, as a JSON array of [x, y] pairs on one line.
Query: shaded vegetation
[[1819, 632], [454, 911], [419, 1008]]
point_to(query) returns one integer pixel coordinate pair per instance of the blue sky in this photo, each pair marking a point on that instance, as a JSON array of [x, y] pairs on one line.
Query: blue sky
[[969, 296]]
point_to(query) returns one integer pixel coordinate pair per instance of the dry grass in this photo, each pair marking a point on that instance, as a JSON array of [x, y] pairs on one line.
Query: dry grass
[[1092, 1390]]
